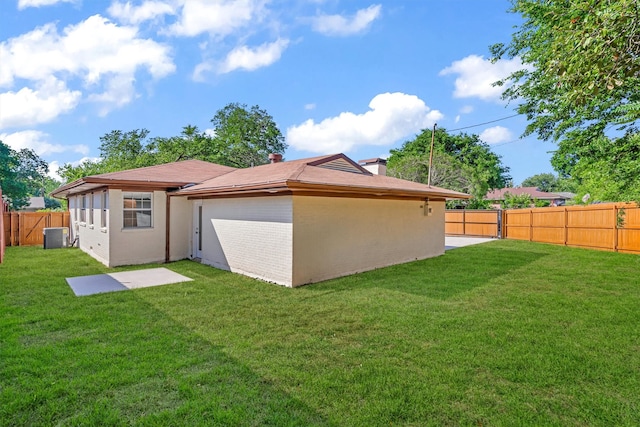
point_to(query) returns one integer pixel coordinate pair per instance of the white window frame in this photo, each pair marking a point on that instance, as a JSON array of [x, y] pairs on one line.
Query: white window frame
[[104, 205], [83, 209], [142, 208], [91, 207]]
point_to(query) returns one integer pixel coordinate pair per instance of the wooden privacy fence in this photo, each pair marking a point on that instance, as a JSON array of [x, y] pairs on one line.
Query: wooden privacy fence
[[610, 227], [26, 228], [462, 222]]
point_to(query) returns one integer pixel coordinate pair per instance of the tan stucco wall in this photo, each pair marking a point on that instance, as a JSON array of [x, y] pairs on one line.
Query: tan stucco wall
[[249, 236], [181, 228], [334, 237], [137, 245]]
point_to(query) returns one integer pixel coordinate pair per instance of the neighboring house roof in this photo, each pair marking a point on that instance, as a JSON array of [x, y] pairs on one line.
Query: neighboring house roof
[[168, 175], [499, 194], [35, 203], [566, 195], [332, 174]]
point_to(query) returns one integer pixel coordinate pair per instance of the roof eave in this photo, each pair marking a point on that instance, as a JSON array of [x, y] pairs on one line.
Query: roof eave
[[297, 187]]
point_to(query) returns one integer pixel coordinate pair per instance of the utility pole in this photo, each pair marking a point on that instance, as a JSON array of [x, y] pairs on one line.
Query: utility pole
[[433, 135]]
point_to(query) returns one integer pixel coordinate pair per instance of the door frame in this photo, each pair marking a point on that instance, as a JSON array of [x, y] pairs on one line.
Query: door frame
[[196, 247]]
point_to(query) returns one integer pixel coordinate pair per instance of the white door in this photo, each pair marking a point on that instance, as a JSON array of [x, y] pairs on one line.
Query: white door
[[197, 229]]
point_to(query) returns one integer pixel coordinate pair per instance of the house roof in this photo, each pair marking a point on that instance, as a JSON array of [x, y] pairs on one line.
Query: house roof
[[499, 194], [36, 203], [168, 175], [331, 175]]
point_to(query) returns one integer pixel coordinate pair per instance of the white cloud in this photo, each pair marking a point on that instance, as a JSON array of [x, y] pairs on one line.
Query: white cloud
[[28, 107], [119, 91], [219, 18], [39, 142], [310, 106], [100, 55], [496, 135], [338, 25], [249, 59], [23, 4], [457, 119], [147, 11], [467, 109], [476, 76], [392, 116]]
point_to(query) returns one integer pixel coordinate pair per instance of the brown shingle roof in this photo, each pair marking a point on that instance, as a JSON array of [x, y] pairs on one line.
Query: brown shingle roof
[[321, 174], [310, 175], [168, 175]]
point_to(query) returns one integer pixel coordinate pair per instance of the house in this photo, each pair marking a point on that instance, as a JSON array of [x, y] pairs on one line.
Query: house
[[291, 223], [35, 204], [554, 199]]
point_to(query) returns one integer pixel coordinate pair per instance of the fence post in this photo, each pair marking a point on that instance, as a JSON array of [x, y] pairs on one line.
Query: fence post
[[464, 222], [615, 228], [566, 225], [531, 225]]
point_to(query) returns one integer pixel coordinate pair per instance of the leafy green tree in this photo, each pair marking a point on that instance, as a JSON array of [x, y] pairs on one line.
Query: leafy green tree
[[190, 144], [550, 183], [242, 138], [22, 174], [125, 150], [542, 181], [245, 137], [580, 75], [516, 201], [446, 172], [611, 170], [479, 168]]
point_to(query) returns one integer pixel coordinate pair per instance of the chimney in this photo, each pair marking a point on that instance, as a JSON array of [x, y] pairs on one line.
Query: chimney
[[376, 166], [275, 158]]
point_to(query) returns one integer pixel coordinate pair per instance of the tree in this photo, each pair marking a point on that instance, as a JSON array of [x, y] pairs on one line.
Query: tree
[[190, 144], [516, 201], [244, 138], [22, 174], [550, 183], [478, 167], [611, 170], [446, 171], [580, 75]]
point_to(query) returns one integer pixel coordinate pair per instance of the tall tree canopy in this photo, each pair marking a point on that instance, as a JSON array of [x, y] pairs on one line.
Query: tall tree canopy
[[245, 137], [579, 82], [241, 138], [461, 162], [22, 174], [550, 183]]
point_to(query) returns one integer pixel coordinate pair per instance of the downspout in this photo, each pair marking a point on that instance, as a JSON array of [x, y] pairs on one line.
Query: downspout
[[167, 250]]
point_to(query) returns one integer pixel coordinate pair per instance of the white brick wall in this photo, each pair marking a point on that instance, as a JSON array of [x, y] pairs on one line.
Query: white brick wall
[[92, 239], [251, 236]]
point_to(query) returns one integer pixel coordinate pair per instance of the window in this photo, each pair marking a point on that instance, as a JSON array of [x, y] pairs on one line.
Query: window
[[104, 203], [136, 210], [72, 208], [83, 208], [91, 205]]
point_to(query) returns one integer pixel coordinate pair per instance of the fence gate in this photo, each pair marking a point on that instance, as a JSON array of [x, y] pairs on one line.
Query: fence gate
[[26, 228], [463, 222]]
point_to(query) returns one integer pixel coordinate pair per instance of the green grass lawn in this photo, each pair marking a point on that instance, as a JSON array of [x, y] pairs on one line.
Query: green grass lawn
[[505, 333]]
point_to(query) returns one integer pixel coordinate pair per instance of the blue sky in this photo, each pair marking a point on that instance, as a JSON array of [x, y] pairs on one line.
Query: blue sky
[[359, 77]]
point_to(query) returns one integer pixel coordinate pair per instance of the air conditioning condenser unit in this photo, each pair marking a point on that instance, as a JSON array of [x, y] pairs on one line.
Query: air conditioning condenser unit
[[56, 237]]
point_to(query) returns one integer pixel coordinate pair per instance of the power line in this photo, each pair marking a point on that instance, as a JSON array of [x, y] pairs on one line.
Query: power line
[[482, 124]]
